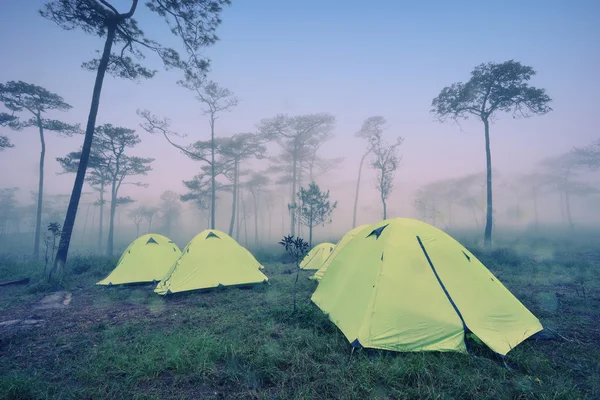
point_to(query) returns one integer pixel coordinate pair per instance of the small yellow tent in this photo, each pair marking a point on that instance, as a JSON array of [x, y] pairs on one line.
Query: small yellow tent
[[405, 285], [146, 259], [211, 259], [338, 247], [317, 256]]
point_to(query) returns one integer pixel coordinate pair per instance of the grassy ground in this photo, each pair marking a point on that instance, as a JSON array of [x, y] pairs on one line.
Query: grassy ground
[[244, 343]]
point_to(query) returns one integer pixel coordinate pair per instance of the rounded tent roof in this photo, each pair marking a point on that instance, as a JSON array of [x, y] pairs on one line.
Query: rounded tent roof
[[405, 285], [338, 247], [317, 256], [146, 259], [211, 259]]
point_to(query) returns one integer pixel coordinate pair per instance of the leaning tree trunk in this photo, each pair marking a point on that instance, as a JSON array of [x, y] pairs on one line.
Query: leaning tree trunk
[[487, 237], [111, 224], [362, 161], [233, 205], [40, 197], [67, 231]]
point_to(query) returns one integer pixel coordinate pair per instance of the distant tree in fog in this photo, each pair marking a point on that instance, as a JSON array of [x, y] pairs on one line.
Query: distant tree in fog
[[216, 100], [371, 129], [201, 150], [534, 184], [255, 185], [11, 121], [296, 135], [492, 88], [193, 21], [385, 162], [97, 176], [8, 207], [136, 215], [35, 100], [235, 150], [564, 171], [150, 213], [589, 156], [170, 210], [111, 143], [315, 208]]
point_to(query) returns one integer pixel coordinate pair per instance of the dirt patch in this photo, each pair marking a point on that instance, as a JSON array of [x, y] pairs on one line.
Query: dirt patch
[[55, 300]]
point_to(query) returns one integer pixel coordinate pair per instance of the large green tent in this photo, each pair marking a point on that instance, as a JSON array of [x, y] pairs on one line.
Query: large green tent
[[211, 259], [146, 259], [338, 247], [317, 256], [405, 285]]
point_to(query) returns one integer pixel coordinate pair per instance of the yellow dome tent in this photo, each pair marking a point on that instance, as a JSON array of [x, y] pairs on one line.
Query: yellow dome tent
[[405, 285], [338, 247], [317, 256], [146, 259], [211, 259]]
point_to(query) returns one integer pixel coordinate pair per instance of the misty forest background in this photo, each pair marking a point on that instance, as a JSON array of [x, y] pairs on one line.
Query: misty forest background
[[255, 174]]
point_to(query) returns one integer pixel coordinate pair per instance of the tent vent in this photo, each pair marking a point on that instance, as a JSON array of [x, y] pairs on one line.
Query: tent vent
[[381, 256], [377, 232], [210, 234], [151, 240], [466, 255]]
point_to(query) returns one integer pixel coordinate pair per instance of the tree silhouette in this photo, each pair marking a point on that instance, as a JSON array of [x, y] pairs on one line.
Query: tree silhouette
[[37, 101], [492, 88], [193, 21], [315, 209]]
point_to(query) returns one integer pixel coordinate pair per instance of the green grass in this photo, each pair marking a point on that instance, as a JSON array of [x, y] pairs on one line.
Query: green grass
[[127, 342]]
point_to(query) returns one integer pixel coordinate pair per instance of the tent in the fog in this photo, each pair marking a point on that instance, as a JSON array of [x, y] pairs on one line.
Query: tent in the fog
[[338, 247], [146, 259], [211, 259], [317, 256], [404, 285]]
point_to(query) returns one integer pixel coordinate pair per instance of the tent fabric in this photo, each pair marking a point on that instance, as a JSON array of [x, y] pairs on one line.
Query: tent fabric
[[404, 285], [211, 259], [146, 259], [317, 256], [338, 247]]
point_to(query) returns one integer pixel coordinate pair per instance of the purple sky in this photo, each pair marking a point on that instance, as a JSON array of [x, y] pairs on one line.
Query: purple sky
[[340, 57]]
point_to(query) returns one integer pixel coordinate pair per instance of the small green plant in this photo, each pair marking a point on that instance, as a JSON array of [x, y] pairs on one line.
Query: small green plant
[[297, 248], [50, 241]]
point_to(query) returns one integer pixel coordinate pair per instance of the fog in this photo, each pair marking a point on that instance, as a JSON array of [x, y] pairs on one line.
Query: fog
[[309, 57]]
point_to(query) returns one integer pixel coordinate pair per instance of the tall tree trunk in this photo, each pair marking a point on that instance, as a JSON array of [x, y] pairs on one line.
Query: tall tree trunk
[[384, 207], [245, 221], [310, 227], [487, 237], [282, 216], [137, 230], [87, 212], [535, 210], [293, 199], [562, 206], [67, 231], [362, 161], [255, 201], [237, 217], [40, 197], [235, 189], [101, 224], [213, 189], [111, 224], [568, 211]]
